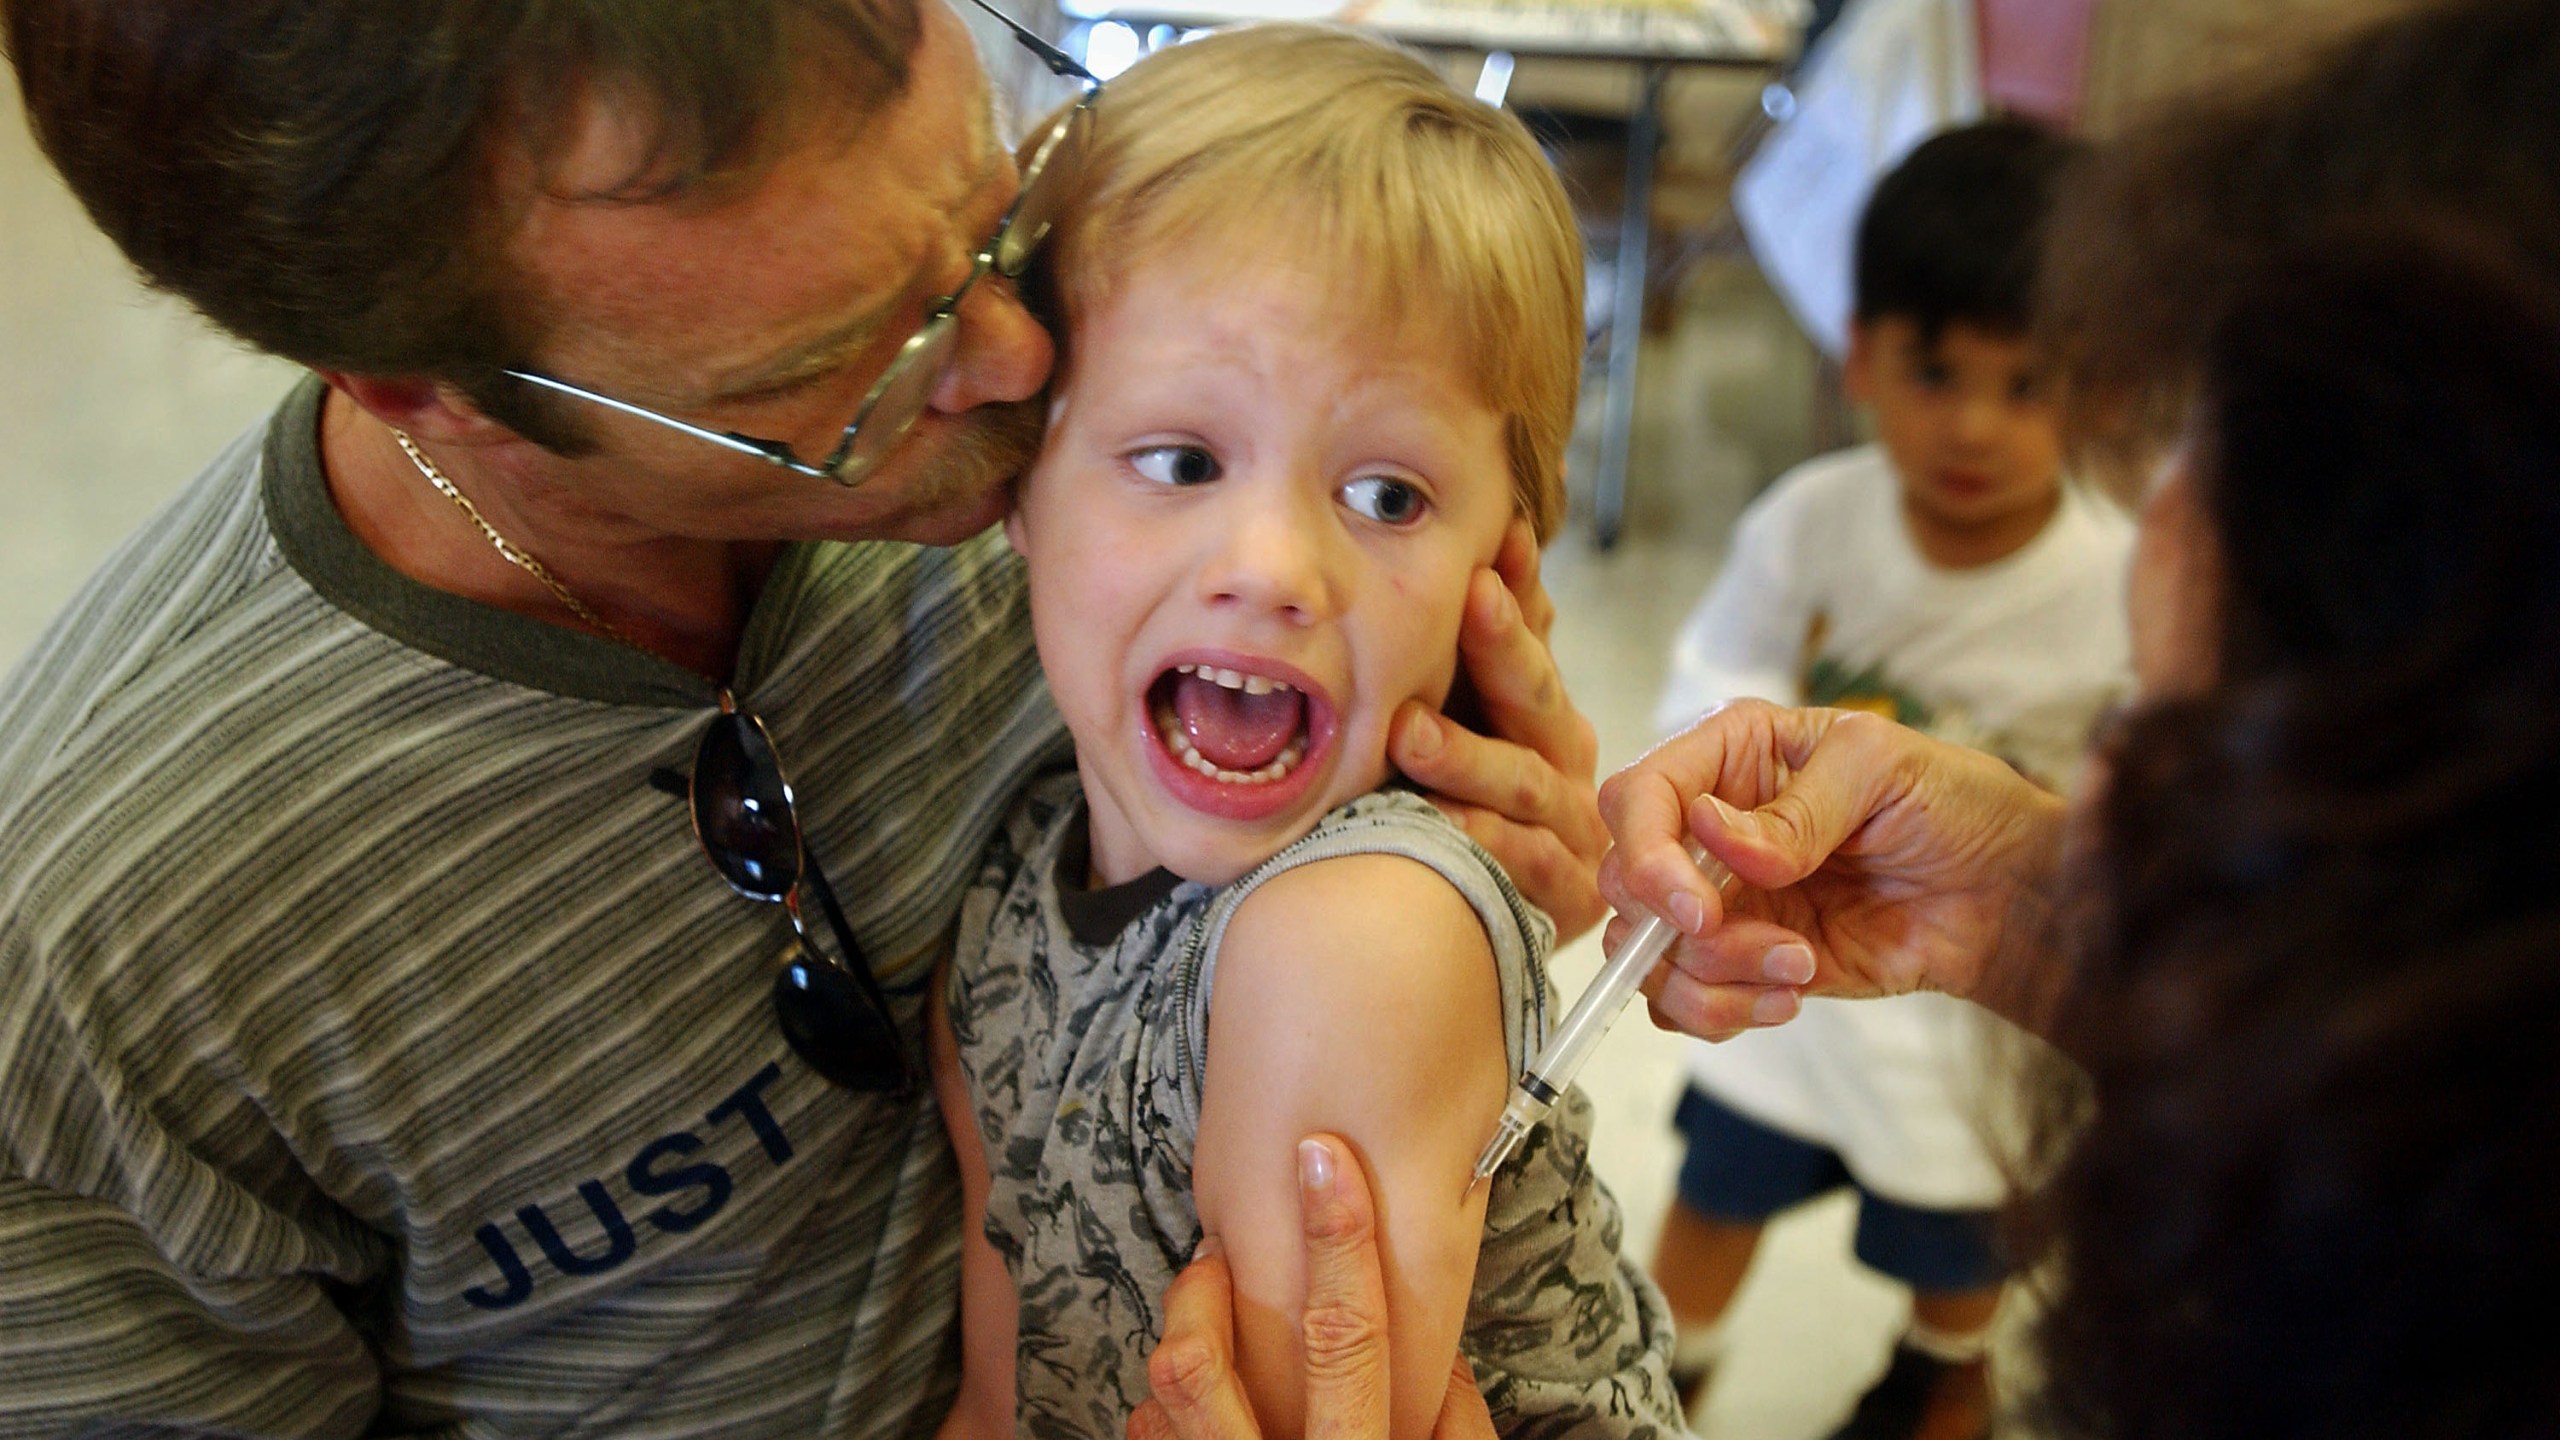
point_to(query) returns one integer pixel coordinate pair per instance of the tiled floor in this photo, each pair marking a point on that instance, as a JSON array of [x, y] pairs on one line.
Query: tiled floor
[[110, 397]]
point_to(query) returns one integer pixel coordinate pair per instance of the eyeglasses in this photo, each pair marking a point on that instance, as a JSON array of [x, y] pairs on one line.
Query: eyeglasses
[[897, 399], [832, 1012]]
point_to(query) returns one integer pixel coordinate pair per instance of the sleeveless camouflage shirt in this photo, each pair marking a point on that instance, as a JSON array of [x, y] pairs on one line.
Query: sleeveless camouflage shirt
[[1082, 1020]]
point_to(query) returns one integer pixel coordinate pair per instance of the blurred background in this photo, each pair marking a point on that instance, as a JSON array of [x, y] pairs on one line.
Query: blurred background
[[111, 397]]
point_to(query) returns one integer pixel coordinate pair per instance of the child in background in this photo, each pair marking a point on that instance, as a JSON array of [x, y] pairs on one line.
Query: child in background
[[1320, 321], [1950, 579]]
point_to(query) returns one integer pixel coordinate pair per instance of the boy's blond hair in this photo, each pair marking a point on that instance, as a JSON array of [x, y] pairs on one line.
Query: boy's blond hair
[[1429, 208]]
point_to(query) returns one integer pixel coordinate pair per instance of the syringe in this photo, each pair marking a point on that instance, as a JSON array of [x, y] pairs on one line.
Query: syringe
[[1621, 975]]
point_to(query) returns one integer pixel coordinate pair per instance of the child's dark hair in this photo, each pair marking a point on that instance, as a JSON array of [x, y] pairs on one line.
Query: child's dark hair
[[1955, 232]]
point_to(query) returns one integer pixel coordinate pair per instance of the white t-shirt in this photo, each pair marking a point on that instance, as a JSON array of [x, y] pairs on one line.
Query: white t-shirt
[[1826, 600]]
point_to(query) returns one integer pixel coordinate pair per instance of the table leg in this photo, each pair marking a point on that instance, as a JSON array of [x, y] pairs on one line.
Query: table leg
[[1626, 323]]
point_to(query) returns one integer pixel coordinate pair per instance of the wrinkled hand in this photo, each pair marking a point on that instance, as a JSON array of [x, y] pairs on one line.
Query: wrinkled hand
[[1197, 1394], [1868, 860], [1523, 790]]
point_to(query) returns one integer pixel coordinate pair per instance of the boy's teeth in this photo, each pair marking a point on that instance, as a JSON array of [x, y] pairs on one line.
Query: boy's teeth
[[1233, 679], [1169, 726]]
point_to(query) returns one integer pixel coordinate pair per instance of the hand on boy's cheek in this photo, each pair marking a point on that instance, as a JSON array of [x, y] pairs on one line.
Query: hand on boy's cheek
[[1516, 564], [1520, 781]]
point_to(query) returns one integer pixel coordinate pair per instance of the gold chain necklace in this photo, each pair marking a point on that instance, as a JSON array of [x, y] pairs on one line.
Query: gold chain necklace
[[522, 559], [516, 554]]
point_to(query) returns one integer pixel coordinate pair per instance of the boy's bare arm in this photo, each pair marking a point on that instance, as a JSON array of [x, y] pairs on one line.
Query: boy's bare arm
[[1388, 1035], [988, 1305]]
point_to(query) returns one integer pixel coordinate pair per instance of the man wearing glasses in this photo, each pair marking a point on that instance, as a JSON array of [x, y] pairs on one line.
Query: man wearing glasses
[[378, 1053]]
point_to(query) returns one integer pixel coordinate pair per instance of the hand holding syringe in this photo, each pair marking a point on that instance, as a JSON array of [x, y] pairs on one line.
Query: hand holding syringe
[[1620, 977]]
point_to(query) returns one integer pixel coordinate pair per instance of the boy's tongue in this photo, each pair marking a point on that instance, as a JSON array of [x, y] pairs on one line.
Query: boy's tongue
[[1234, 730]]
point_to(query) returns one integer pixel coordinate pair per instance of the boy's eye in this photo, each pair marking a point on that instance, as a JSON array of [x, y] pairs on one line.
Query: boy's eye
[[1384, 499], [1175, 464]]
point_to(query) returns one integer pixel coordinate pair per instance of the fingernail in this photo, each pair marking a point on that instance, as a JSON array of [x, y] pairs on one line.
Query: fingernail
[[1688, 912], [1789, 964], [1774, 1007], [1315, 1168], [1422, 736], [1207, 1247], [1735, 821]]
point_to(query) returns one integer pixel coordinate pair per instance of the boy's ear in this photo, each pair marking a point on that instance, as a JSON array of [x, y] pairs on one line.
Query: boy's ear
[[1857, 368], [1013, 525]]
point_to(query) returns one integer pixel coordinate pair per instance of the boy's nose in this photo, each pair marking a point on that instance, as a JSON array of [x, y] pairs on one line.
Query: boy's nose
[[1271, 554], [1978, 418]]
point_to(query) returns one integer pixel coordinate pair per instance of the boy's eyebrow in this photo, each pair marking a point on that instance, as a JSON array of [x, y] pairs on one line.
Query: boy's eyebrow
[[829, 351]]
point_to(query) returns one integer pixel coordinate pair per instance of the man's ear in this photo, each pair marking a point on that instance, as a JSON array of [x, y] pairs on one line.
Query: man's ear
[[1857, 369], [429, 409]]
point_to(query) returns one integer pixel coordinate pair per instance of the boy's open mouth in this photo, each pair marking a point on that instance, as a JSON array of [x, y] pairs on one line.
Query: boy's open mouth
[[1232, 726]]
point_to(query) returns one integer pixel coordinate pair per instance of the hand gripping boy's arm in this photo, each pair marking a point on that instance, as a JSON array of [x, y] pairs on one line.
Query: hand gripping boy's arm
[[1192, 1373], [1355, 996]]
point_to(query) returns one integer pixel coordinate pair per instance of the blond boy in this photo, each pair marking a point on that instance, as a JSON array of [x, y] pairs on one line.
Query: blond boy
[[1321, 320]]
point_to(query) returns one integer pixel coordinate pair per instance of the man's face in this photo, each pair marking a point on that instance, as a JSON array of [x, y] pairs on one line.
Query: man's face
[[771, 308], [1967, 419], [1251, 536]]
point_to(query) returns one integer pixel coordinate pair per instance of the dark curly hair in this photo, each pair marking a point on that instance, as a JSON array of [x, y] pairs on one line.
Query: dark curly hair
[[2305, 1181]]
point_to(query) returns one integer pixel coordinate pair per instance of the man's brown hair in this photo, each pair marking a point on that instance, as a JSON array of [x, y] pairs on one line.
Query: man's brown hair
[[315, 176]]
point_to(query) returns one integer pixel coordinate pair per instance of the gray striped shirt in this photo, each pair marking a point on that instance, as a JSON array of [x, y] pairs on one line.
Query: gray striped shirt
[[379, 1055]]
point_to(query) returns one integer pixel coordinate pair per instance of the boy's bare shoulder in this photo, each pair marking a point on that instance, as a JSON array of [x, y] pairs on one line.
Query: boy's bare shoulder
[[1371, 946], [1364, 988]]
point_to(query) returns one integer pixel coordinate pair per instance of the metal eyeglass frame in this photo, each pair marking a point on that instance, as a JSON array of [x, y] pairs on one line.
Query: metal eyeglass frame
[[898, 398]]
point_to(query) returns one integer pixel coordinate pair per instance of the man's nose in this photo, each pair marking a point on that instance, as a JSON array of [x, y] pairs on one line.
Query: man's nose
[[1001, 353]]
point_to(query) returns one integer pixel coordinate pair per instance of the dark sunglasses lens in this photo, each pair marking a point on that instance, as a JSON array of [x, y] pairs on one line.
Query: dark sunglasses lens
[[742, 808], [1058, 168], [834, 1027]]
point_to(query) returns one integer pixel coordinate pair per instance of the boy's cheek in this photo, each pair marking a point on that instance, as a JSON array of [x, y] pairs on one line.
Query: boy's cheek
[[1043, 502], [1443, 685]]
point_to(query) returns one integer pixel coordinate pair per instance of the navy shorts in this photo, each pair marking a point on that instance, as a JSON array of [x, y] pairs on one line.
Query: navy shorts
[[1742, 1171]]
